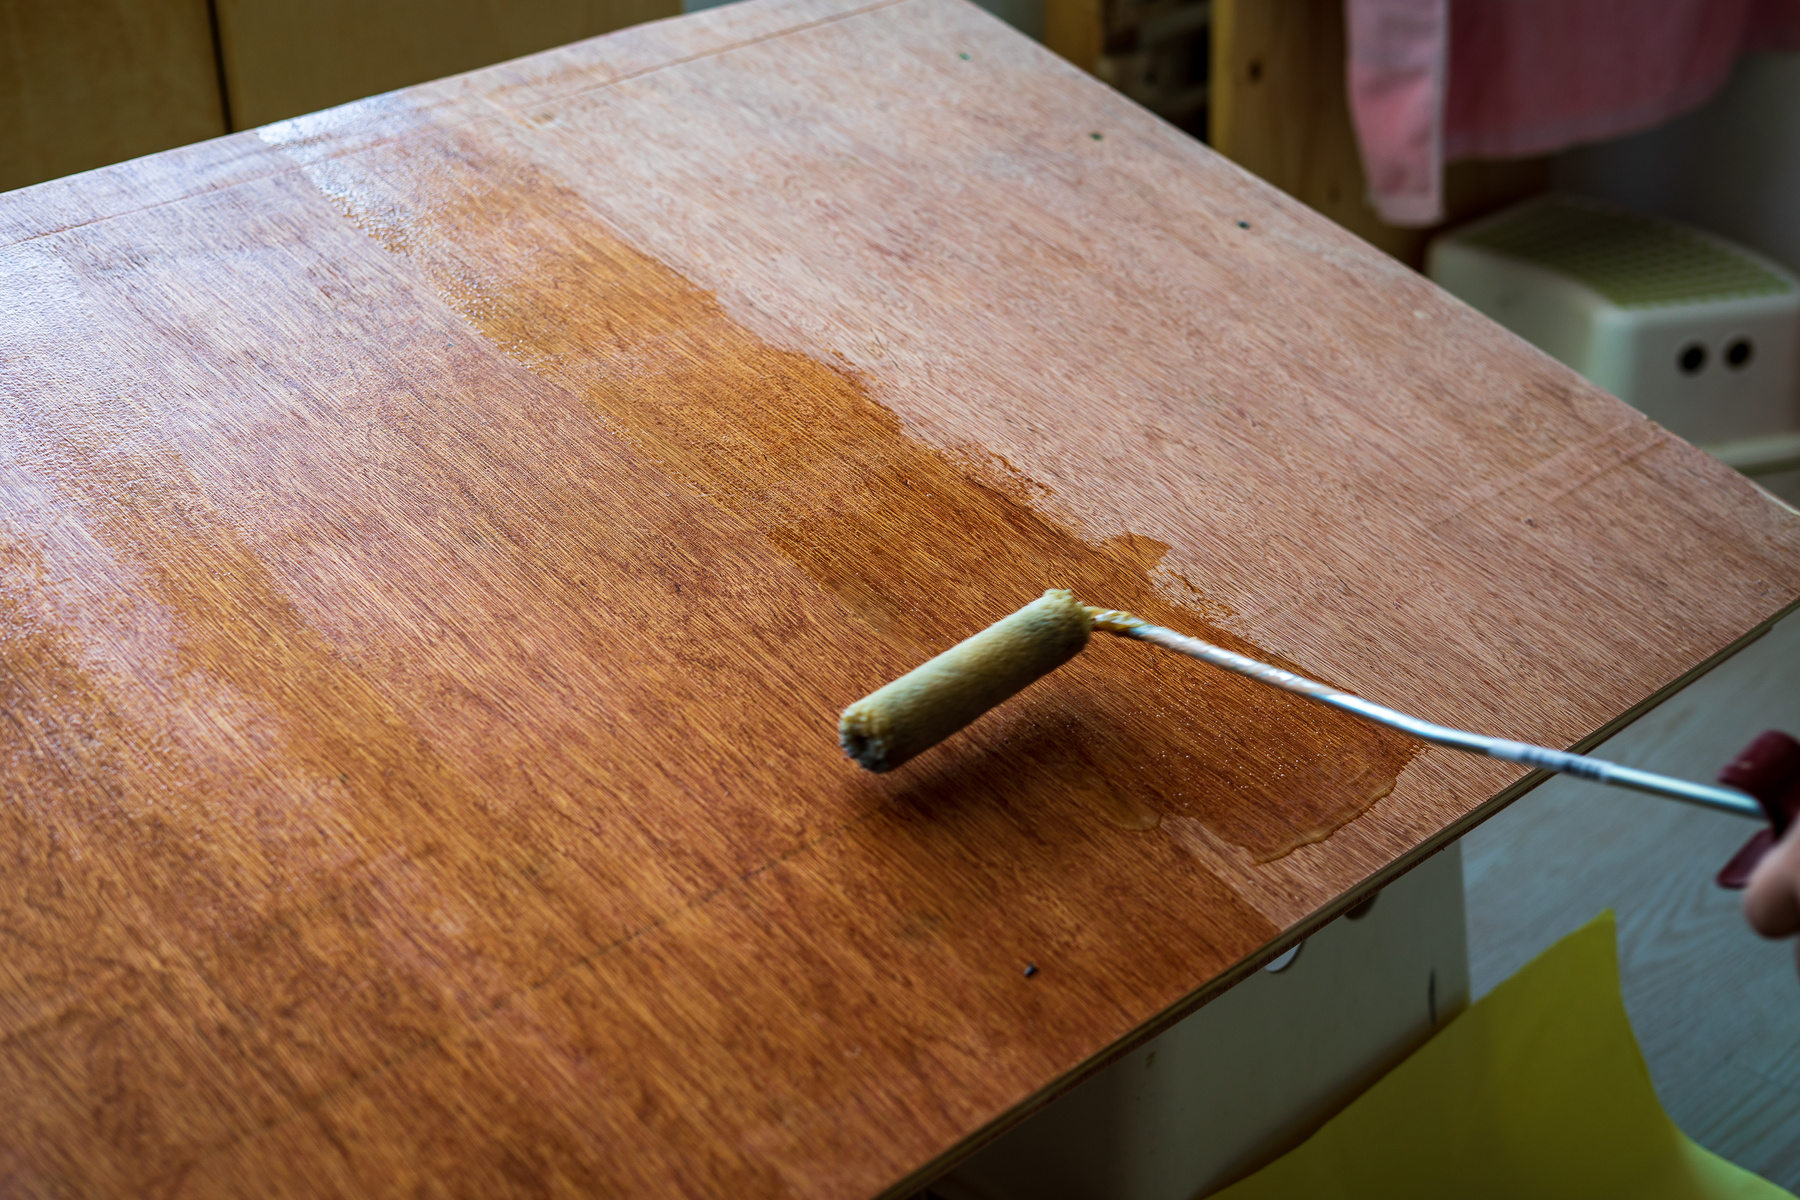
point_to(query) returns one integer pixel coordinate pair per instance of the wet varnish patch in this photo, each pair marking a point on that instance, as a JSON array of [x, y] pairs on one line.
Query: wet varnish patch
[[918, 546]]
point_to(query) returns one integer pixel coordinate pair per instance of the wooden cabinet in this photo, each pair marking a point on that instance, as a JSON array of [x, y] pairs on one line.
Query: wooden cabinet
[[1076, 29], [284, 59], [84, 83]]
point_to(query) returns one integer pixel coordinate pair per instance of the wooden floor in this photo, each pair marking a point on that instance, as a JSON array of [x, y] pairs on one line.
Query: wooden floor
[[1716, 1008]]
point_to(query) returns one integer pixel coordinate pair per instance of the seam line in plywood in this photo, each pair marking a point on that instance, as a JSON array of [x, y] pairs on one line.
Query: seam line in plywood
[[1606, 450], [497, 110], [716, 52]]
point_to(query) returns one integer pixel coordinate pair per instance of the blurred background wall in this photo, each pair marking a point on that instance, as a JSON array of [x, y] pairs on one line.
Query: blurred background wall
[[1731, 166]]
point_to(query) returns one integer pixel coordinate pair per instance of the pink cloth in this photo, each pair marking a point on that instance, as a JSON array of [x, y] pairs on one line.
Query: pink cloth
[[1434, 80]]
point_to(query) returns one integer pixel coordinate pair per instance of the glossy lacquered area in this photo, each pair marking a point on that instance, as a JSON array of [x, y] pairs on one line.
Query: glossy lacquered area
[[437, 537]]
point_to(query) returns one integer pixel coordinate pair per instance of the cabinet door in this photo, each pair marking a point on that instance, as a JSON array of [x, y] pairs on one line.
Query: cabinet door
[[84, 83], [284, 58]]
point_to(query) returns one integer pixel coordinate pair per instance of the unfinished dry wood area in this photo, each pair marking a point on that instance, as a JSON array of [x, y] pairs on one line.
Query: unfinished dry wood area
[[438, 536]]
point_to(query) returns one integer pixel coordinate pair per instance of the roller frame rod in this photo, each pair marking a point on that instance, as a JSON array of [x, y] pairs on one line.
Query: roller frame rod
[[1524, 753]]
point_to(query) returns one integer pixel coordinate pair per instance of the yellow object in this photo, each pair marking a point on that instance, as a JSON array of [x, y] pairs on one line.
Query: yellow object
[[1536, 1091]]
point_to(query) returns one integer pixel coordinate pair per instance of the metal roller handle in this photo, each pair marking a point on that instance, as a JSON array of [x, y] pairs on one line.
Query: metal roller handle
[[1543, 758]]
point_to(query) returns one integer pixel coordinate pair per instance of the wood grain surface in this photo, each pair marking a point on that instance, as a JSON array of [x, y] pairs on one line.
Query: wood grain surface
[[439, 534]]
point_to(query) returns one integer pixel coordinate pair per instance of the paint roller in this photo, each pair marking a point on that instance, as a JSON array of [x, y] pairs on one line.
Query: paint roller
[[930, 703]]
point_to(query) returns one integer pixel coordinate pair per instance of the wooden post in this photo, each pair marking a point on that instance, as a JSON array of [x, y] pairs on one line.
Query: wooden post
[[1280, 109]]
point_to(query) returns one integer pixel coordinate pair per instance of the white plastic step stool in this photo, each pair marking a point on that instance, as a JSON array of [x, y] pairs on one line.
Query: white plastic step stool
[[1696, 333]]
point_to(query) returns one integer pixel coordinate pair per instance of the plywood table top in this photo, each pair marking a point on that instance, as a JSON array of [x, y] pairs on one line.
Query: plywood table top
[[439, 534]]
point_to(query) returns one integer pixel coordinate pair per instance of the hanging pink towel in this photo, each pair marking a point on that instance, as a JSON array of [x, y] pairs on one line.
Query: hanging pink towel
[[1435, 80]]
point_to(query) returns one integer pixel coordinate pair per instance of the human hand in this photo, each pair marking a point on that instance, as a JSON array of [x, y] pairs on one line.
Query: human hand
[[1769, 769], [1772, 900]]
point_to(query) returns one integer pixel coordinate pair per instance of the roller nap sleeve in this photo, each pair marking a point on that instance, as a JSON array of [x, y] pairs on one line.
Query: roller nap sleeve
[[928, 704]]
